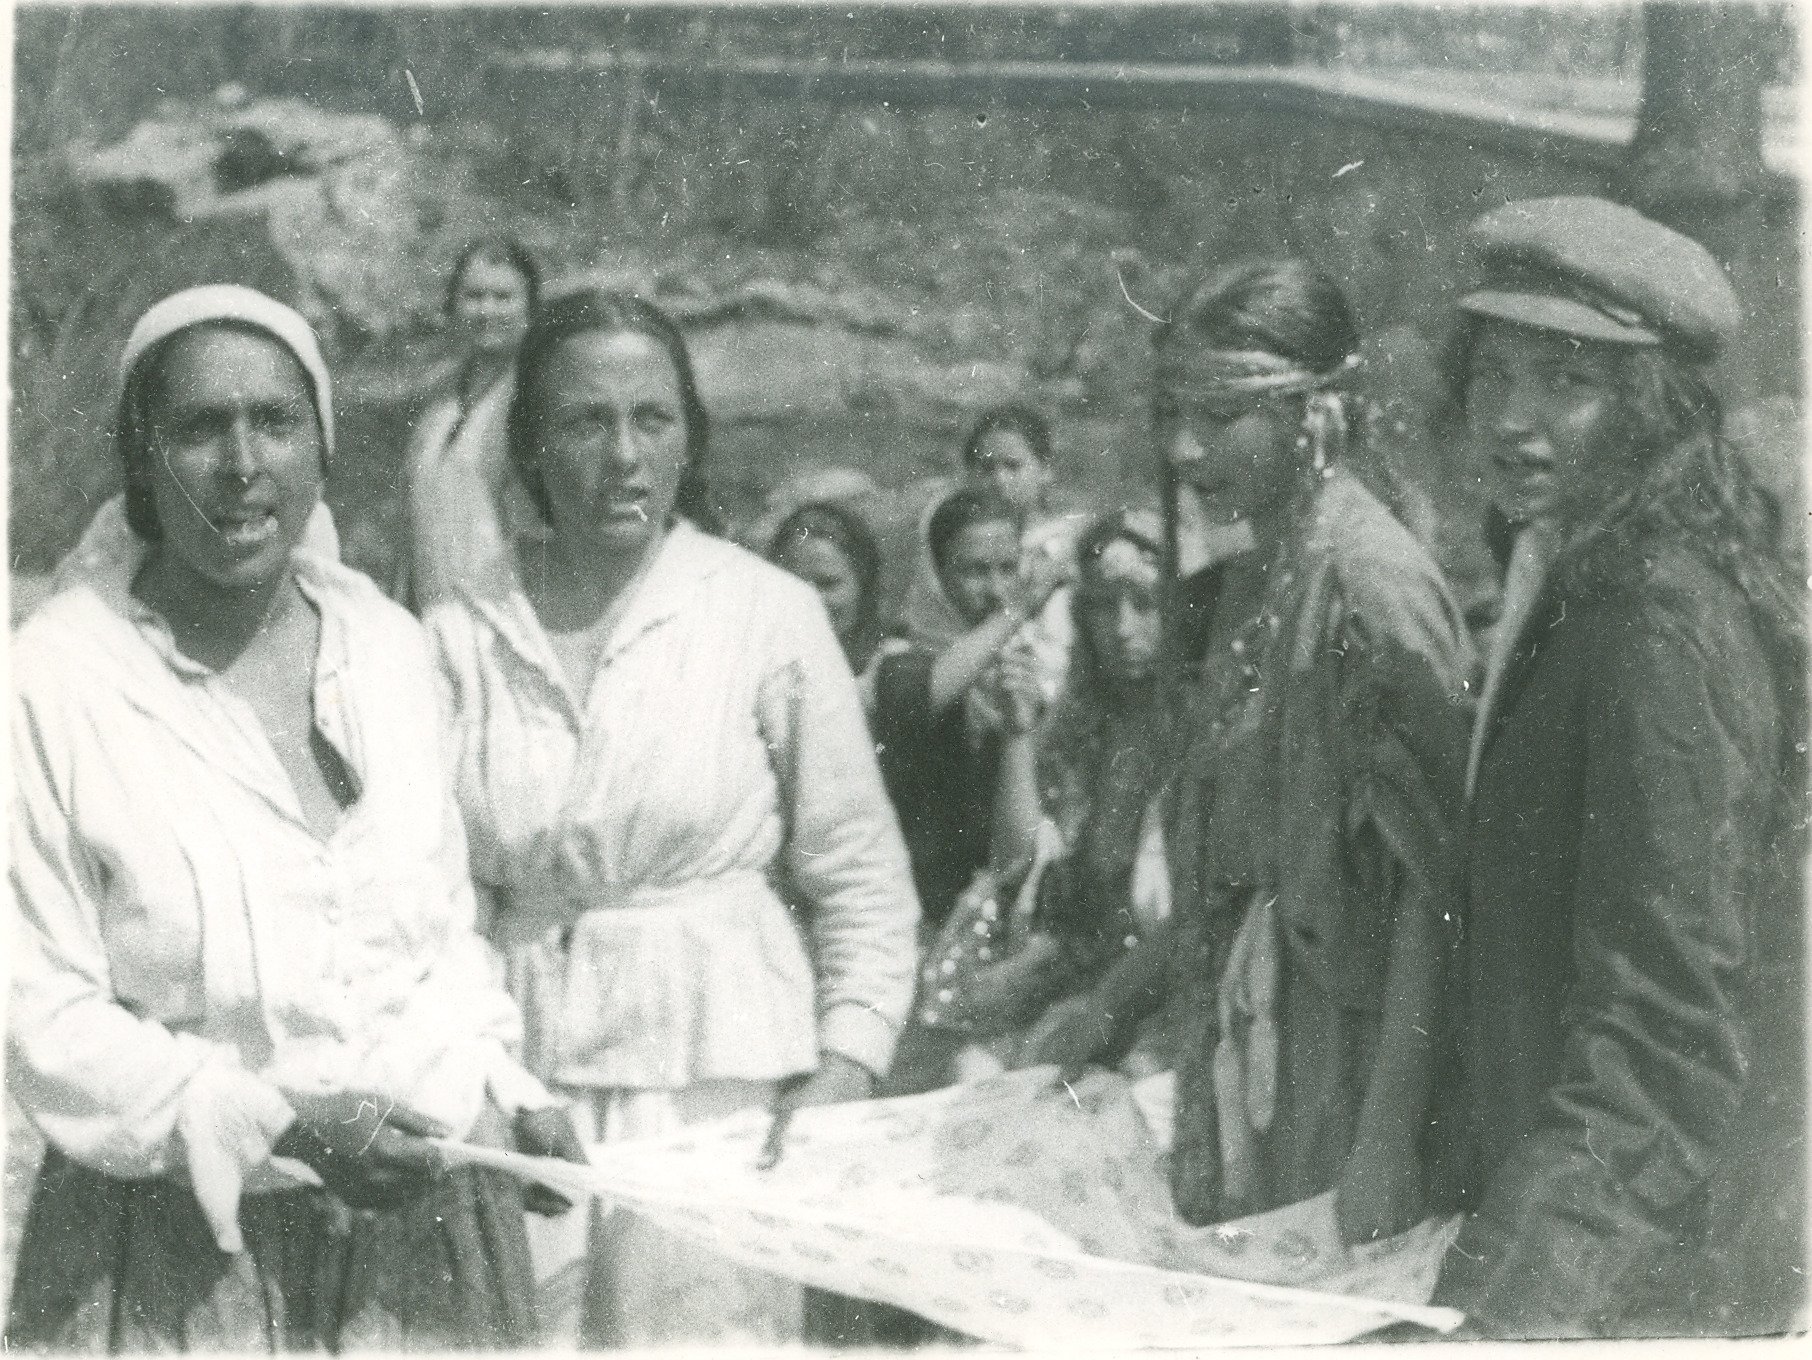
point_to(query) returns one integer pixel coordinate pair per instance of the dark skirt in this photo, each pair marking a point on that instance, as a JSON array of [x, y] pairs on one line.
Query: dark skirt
[[118, 1265]]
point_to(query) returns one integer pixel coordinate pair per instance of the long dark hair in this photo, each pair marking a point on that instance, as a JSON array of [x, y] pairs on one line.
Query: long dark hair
[[579, 313], [1693, 486], [1118, 743], [849, 534], [1118, 527]]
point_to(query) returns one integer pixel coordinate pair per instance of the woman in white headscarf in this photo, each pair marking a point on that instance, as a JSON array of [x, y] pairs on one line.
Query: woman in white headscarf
[[245, 986], [1009, 453]]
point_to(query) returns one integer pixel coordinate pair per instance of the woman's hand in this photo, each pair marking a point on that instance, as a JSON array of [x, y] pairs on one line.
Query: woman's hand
[[546, 1133], [997, 995], [370, 1152], [1379, 1193], [837, 1080], [1072, 1033], [1020, 683]]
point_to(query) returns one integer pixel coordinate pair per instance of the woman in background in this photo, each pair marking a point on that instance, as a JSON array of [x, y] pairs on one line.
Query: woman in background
[[1078, 872], [656, 736], [1011, 450], [457, 467], [1008, 454], [831, 548], [1085, 789], [938, 715]]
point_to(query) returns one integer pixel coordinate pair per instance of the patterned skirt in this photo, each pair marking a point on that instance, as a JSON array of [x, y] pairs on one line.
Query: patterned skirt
[[116, 1265]]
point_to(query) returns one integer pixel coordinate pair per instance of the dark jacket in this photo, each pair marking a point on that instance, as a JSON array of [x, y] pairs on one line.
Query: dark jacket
[[1326, 783], [1629, 969]]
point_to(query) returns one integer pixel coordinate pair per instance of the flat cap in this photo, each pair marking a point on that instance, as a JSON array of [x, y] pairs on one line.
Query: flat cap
[[1588, 267]]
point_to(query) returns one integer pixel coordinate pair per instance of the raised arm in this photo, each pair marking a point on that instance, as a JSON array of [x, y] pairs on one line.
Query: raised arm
[[963, 663], [1018, 807]]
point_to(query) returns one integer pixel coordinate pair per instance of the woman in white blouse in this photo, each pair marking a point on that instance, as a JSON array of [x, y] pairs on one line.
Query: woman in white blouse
[[246, 984], [669, 787], [458, 485]]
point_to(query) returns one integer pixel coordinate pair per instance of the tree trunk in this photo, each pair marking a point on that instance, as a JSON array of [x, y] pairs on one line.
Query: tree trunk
[[1696, 162]]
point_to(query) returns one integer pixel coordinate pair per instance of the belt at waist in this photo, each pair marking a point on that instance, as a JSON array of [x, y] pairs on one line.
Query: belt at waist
[[685, 982], [529, 913]]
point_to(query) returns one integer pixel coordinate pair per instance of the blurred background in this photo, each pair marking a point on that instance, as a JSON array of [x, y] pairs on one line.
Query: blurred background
[[874, 220]]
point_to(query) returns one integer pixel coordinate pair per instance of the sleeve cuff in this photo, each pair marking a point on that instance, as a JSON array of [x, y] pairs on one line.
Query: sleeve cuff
[[513, 1088], [860, 1034], [228, 1122]]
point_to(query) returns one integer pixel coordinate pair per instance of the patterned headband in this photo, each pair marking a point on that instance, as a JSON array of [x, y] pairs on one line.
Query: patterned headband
[[1257, 372]]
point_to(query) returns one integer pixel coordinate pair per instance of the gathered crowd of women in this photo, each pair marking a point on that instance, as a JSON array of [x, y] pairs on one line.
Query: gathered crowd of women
[[590, 824]]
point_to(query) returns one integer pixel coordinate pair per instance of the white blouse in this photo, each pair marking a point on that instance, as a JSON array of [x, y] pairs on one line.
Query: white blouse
[[664, 847], [186, 950], [460, 482]]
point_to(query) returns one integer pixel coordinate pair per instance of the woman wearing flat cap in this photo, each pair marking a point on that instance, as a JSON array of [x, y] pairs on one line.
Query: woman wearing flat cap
[[1634, 797], [245, 983]]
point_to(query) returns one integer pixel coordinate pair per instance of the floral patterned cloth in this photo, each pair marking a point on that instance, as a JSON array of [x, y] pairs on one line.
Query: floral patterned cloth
[[1017, 1210]]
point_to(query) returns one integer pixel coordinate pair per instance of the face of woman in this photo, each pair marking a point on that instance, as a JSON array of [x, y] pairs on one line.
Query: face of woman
[[1239, 456], [823, 564], [1007, 462], [235, 458], [1118, 596], [613, 439], [491, 305], [980, 564], [1541, 408]]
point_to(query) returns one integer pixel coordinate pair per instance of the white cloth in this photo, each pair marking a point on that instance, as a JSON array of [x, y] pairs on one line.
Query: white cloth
[[1018, 1210], [234, 302], [719, 761], [608, 1277], [185, 949]]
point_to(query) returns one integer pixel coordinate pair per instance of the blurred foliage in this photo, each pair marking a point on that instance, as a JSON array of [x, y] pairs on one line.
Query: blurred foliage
[[89, 72], [930, 260]]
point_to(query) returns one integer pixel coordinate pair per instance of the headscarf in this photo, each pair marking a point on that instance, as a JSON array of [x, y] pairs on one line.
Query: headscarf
[[108, 544], [230, 302], [930, 617]]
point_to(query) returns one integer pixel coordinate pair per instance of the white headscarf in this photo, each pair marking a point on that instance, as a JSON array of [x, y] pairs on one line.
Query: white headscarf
[[108, 544], [216, 302]]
